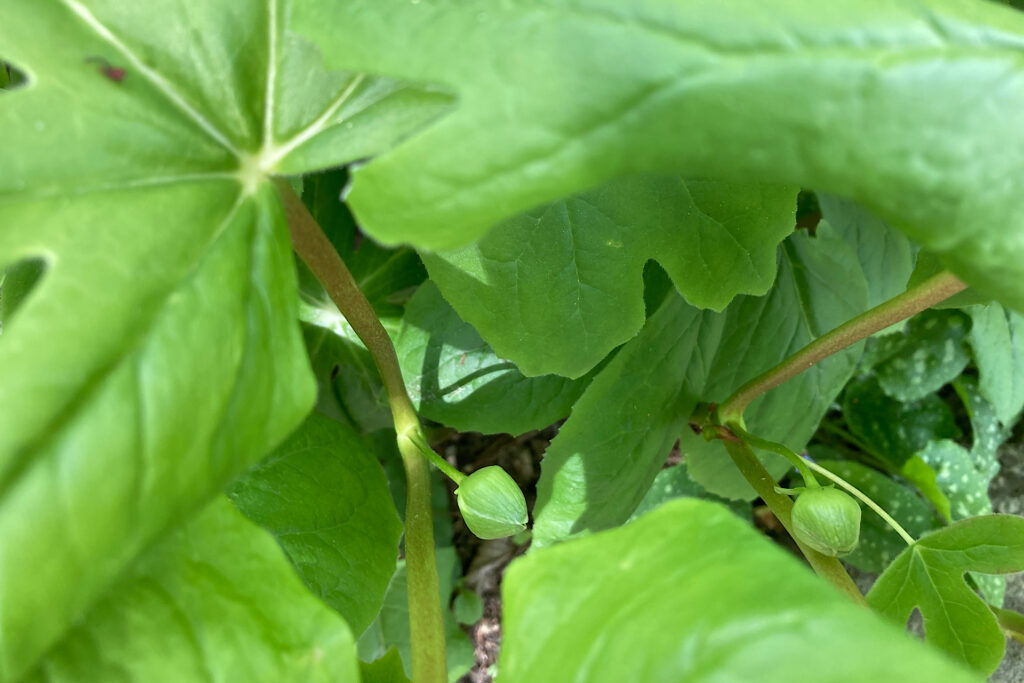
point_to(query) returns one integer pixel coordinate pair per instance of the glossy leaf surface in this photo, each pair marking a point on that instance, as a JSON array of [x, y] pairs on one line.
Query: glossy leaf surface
[[159, 356], [689, 592], [214, 601]]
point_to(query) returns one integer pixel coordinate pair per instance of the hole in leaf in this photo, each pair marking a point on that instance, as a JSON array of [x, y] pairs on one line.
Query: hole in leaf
[[10, 77], [16, 284]]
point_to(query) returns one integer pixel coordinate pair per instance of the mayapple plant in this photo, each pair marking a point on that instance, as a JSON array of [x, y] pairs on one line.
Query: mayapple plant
[[255, 252]]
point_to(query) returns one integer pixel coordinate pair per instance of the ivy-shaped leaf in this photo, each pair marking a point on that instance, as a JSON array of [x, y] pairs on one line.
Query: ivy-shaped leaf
[[558, 97], [214, 601], [159, 355], [323, 495], [558, 287], [455, 378], [689, 592], [930, 576]]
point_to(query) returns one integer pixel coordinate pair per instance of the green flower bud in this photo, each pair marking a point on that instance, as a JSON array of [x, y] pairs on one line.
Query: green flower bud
[[492, 503], [827, 520]]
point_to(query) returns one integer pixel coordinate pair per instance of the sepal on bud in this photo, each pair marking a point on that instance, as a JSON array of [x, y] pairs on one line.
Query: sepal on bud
[[827, 520], [492, 504]]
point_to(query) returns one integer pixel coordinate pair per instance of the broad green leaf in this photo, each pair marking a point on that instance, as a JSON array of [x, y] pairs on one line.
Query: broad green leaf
[[324, 496], [997, 342], [886, 254], [675, 482], [879, 544], [874, 100], [455, 378], [159, 355], [930, 576], [214, 601], [895, 430], [387, 669], [558, 287], [690, 592], [820, 285], [597, 470], [926, 355]]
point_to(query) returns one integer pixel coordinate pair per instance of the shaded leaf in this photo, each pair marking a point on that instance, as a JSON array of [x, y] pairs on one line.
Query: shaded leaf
[[324, 496], [886, 254], [895, 430], [997, 343], [888, 110], [387, 669], [931, 353], [558, 287], [690, 592], [930, 576], [214, 601], [455, 378], [675, 482]]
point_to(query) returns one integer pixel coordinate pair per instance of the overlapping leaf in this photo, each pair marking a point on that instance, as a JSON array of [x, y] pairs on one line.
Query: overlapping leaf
[[690, 592], [215, 601], [558, 287], [997, 342], [455, 378], [597, 469], [325, 498], [908, 108], [930, 576], [158, 356]]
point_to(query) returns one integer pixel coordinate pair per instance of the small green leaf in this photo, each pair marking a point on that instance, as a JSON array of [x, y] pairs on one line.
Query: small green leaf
[[467, 607], [930, 353], [214, 601], [387, 669], [690, 592], [558, 287], [997, 342], [879, 543], [930, 576], [324, 496], [455, 378], [895, 430]]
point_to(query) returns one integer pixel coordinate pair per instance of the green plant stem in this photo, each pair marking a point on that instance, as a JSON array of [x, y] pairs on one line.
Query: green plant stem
[[864, 498], [425, 615], [933, 290], [802, 465], [754, 472]]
